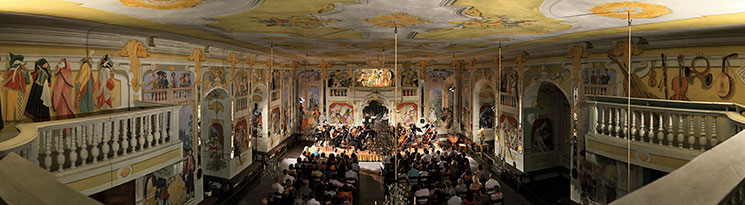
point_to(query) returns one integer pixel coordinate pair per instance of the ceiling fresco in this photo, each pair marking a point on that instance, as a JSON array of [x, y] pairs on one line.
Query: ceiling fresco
[[364, 29]]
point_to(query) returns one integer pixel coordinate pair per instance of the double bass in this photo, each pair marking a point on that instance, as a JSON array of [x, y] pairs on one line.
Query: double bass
[[680, 85]]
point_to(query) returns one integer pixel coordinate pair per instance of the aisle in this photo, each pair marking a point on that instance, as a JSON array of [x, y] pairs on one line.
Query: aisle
[[371, 188]]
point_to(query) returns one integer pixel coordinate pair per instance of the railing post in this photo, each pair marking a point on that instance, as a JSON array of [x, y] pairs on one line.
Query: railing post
[[670, 130], [132, 133], [642, 129], [94, 141], [618, 122], [60, 152], [650, 133], [142, 132], [72, 144], [106, 138], [601, 113], [173, 128], [714, 140], [157, 128], [125, 138], [660, 129], [148, 129], [702, 132], [162, 125], [47, 150], [633, 125], [625, 120], [593, 119], [691, 134], [115, 141]]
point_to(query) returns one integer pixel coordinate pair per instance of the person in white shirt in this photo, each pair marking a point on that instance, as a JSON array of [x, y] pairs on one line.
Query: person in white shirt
[[422, 195], [313, 201], [277, 186], [493, 189], [455, 200], [351, 174], [286, 177]]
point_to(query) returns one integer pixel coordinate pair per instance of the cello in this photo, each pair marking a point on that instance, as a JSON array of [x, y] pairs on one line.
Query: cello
[[680, 85]]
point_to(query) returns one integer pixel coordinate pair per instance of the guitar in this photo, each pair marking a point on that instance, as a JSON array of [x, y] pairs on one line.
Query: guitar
[[679, 83], [724, 82]]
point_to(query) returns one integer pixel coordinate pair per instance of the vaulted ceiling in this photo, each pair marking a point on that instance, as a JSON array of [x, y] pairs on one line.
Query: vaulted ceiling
[[364, 29]]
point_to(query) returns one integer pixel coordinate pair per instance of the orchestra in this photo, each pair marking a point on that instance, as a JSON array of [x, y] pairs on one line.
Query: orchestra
[[361, 137]]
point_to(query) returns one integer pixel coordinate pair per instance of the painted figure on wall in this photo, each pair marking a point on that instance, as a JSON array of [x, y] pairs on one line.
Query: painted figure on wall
[[242, 140], [310, 96], [374, 78], [105, 83], [407, 113], [256, 121], [409, 78], [84, 84], [165, 186], [542, 135], [215, 145], [39, 99], [435, 105], [339, 79], [275, 121], [16, 80], [62, 100], [486, 116], [341, 113]]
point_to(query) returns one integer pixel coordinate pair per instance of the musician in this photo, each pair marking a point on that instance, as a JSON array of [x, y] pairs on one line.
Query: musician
[[319, 135]]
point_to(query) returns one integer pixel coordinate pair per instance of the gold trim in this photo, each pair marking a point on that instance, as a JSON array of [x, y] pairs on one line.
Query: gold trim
[[161, 4]]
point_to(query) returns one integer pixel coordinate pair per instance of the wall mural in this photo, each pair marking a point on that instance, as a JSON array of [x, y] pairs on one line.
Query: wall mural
[[215, 77], [407, 113], [512, 140], [339, 79], [374, 77], [409, 78], [286, 101], [166, 186], [541, 135], [310, 96], [486, 116], [341, 113], [161, 86], [437, 114], [599, 75], [256, 111], [435, 106], [275, 122], [242, 140], [465, 121], [241, 84]]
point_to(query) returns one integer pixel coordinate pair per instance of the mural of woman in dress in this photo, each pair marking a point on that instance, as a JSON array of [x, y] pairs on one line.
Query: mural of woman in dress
[[214, 146], [62, 100], [84, 84], [39, 100]]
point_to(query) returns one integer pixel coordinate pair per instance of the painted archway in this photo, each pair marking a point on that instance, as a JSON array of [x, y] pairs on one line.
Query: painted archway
[[547, 125]]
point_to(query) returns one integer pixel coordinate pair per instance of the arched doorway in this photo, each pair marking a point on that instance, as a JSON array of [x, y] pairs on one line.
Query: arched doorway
[[547, 120], [373, 112]]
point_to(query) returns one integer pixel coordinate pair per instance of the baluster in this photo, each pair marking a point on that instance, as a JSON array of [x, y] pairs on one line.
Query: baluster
[[633, 125], [60, 151], [601, 111], [691, 137], [670, 130], [132, 133], [642, 130], [714, 140], [625, 128], [650, 132], [660, 130], [142, 133], [157, 129], [162, 127], [82, 139], [72, 144], [115, 141], [702, 132], [106, 137], [618, 122], [171, 124], [149, 129], [47, 150], [681, 137], [125, 137], [95, 133]]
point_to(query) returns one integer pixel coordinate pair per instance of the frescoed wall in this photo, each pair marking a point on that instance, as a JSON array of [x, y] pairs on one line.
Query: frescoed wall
[[275, 122], [466, 105], [339, 79], [407, 113], [439, 85], [310, 97], [374, 78], [409, 78], [216, 136], [286, 102], [341, 113]]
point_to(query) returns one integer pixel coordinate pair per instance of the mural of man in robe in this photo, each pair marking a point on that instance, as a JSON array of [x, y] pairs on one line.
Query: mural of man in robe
[[84, 84], [105, 83], [62, 102], [17, 79], [39, 100]]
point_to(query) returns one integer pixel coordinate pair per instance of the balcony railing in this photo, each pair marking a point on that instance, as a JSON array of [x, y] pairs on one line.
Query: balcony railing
[[684, 125], [591, 89], [714, 177], [507, 99], [406, 92], [168, 96], [62, 145], [338, 92]]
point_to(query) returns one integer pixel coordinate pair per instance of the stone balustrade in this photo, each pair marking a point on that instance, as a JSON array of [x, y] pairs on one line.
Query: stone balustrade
[[169, 95], [591, 89], [62, 145]]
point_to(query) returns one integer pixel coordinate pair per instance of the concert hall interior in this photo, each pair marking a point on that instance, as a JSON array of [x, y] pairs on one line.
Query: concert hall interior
[[372, 102]]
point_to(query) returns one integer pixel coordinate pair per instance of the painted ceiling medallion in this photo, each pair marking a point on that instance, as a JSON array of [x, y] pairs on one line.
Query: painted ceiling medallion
[[637, 9], [161, 4], [398, 19]]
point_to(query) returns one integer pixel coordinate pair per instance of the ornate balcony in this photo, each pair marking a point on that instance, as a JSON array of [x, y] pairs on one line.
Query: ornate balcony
[[94, 153], [168, 96], [664, 134]]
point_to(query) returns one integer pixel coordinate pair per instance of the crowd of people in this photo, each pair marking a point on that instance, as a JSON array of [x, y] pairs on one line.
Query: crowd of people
[[435, 177], [355, 137], [317, 179]]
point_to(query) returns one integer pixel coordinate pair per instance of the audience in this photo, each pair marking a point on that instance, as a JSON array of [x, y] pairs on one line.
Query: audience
[[316, 179], [435, 177]]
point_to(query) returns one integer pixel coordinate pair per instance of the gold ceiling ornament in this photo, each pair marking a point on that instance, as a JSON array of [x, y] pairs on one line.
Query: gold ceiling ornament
[[324, 66], [637, 9], [134, 50], [198, 56], [422, 66], [161, 4], [473, 12], [576, 53], [326, 8], [233, 59], [520, 59], [398, 19]]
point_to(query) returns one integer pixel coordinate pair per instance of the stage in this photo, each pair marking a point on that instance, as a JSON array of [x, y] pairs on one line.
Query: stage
[[367, 156]]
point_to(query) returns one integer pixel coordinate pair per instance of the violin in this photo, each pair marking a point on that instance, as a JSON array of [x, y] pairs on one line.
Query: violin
[[652, 77], [680, 85]]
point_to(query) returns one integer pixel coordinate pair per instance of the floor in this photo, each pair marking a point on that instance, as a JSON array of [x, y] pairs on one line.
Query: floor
[[370, 184]]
